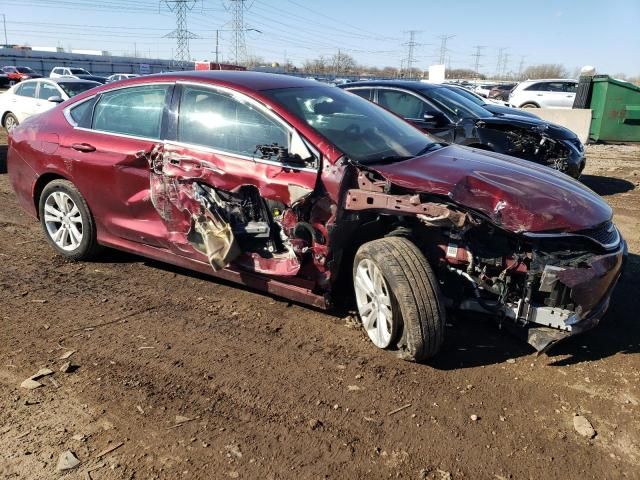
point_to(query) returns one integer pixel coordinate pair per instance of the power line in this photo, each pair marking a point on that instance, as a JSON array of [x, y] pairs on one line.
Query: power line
[[181, 33]]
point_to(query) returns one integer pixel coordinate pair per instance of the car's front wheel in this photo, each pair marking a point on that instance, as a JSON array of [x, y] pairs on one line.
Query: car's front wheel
[[529, 105], [398, 298], [10, 122], [67, 221]]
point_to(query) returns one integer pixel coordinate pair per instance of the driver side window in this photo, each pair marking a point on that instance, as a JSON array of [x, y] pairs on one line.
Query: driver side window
[[402, 103], [221, 121]]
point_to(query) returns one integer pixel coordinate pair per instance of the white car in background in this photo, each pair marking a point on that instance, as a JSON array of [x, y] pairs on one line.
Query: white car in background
[[121, 76], [546, 93], [31, 97], [483, 90]]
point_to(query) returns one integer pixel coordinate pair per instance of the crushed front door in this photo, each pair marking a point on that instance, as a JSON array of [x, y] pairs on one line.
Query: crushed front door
[[227, 180]]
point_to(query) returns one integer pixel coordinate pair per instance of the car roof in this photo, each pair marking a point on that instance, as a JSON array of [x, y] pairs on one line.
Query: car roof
[[58, 80], [238, 78], [541, 80], [408, 84]]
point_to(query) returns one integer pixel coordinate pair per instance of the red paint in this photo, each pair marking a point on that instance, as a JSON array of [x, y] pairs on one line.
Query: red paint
[[517, 195], [116, 180]]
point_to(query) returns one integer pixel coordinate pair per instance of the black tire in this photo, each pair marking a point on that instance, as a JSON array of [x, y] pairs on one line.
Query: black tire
[[417, 308], [529, 105], [88, 247], [13, 118]]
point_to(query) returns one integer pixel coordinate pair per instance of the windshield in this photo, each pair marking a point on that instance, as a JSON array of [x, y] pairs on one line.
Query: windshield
[[24, 70], [79, 71], [454, 104], [468, 95], [365, 132], [74, 88]]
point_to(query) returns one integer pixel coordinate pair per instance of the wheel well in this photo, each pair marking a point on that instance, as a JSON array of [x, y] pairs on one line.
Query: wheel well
[[42, 182], [5, 116], [367, 230], [530, 103]]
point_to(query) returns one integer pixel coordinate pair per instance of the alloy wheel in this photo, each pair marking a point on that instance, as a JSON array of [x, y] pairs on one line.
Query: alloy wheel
[[374, 303], [10, 123], [63, 221]]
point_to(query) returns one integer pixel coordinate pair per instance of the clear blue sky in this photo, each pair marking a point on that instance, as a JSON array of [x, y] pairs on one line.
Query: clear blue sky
[[574, 33]]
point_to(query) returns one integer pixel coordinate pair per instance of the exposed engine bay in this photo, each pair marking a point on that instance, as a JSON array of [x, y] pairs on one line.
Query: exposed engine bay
[[534, 144], [550, 284]]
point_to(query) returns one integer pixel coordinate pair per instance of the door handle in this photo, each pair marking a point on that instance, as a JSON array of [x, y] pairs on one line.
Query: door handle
[[83, 147]]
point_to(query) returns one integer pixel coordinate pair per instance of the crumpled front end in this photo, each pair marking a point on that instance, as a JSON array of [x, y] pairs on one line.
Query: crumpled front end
[[548, 284]]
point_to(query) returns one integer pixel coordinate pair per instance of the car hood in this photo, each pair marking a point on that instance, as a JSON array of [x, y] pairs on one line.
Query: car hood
[[515, 194], [542, 126], [504, 110]]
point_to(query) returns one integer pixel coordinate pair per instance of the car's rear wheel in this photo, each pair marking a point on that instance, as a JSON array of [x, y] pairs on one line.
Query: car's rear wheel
[[398, 298], [67, 221], [529, 105], [10, 122]]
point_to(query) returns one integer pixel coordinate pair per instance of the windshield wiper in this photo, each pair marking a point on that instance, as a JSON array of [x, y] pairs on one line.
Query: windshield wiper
[[431, 147]]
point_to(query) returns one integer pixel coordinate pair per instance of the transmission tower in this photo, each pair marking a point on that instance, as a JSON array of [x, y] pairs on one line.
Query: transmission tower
[[505, 65], [443, 47], [521, 66], [182, 35], [411, 45], [501, 51], [238, 27], [477, 56]]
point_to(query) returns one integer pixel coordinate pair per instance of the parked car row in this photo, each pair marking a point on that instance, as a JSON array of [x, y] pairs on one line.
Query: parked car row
[[14, 75], [312, 192]]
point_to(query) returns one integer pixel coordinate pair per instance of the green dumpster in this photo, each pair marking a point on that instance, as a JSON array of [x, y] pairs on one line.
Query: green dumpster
[[616, 110]]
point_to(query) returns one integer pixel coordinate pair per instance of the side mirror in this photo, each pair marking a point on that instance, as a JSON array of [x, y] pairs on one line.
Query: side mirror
[[435, 118], [55, 99], [299, 153]]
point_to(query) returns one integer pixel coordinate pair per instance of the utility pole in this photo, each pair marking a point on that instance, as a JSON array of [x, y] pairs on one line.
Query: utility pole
[[4, 23], [443, 47], [181, 33], [411, 44], [239, 42], [217, 45], [477, 56]]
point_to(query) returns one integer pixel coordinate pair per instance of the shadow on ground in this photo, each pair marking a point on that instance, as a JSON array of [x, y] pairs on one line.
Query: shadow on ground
[[604, 186], [476, 340]]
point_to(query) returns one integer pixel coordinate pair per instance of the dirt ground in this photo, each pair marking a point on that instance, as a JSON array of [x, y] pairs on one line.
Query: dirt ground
[[183, 376]]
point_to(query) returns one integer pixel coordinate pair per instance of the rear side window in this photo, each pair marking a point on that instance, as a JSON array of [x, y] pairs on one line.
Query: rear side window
[[570, 87], [538, 87], [135, 111], [27, 90], [221, 121], [361, 92]]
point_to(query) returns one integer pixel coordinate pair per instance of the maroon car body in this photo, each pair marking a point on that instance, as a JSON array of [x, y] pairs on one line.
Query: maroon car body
[[526, 244]]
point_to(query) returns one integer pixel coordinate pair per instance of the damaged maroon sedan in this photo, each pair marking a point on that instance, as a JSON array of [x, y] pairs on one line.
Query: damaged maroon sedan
[[311, 193]]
